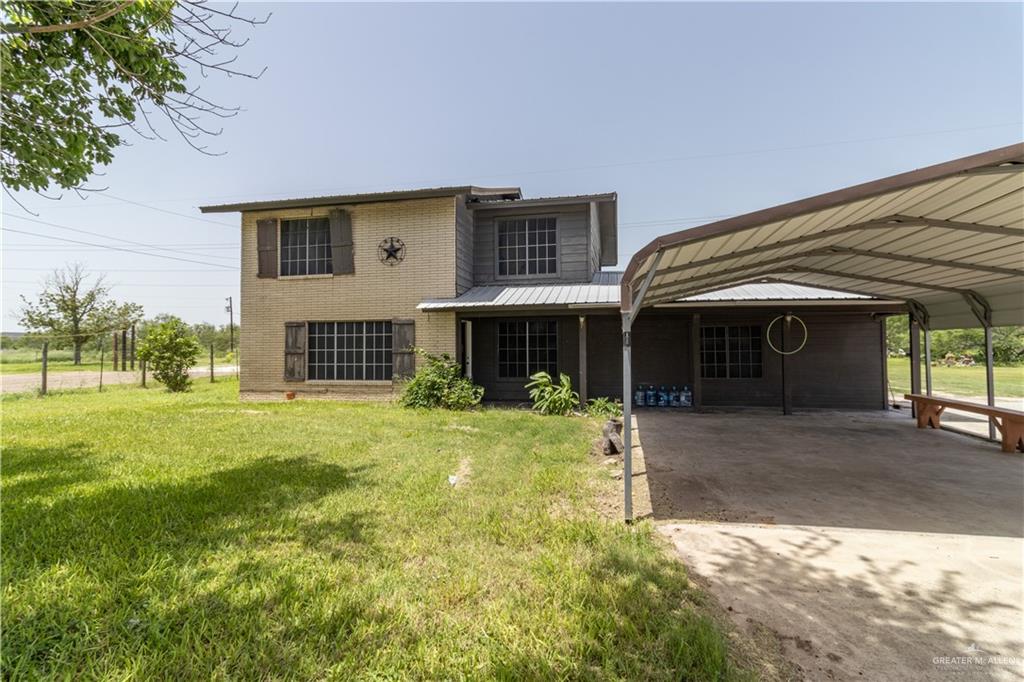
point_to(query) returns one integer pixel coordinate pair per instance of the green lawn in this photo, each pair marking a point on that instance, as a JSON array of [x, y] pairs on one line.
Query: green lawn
[[150, 535], [962, 381]]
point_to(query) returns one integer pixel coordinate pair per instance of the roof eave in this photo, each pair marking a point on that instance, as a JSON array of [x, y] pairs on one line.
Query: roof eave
[[366, 198]]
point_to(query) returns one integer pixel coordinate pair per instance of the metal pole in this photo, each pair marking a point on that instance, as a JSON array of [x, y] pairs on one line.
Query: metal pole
[[132, 358], [915, 361], [211, 363], [113, 352], [990, 379], [101, 363], [627, 416], [124, 350], [928, 360], [46, 353], [231, 324]]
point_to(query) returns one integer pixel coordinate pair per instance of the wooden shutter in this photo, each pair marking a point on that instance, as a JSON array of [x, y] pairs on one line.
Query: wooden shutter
[[266, 247], [342, 251], [294, 351], [403, 359]]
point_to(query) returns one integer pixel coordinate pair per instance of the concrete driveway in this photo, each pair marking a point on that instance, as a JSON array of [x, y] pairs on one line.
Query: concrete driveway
[[866, 548]]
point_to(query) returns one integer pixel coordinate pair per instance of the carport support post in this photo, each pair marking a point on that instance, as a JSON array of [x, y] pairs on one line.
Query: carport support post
[[928, 360], [627, 416], [787, 379], [915, 360], [990, 379]]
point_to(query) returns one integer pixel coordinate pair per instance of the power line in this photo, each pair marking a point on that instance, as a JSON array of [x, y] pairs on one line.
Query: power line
[[435, 181], [117, 248], [134, 284], [212, 272], [97, 234], [169, 212]]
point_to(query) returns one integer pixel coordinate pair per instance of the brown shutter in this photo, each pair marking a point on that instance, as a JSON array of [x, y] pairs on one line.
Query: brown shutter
[[342, 251], [266, 246], [403, 359], [294, 351]]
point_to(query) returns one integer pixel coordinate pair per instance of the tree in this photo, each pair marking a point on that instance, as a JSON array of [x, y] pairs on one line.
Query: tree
[[72, 309], [170, 348], [75, 73]]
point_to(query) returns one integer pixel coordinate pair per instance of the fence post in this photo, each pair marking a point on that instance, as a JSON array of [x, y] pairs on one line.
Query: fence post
[[46, 353], [211, 363], [101, 363], [132, 358], [113, 352], [124, 350], [142, 365]]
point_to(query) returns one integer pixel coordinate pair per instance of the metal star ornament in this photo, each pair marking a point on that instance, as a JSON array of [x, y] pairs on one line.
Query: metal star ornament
[[391, 251]]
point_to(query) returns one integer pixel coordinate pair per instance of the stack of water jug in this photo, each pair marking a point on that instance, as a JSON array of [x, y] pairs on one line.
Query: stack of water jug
[[647, 395]]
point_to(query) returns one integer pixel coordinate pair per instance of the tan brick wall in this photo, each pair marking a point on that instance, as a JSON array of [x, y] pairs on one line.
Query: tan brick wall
[[375, 292]]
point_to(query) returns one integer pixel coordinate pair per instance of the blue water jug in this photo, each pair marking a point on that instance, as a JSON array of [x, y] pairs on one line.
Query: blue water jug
[[638, 396]]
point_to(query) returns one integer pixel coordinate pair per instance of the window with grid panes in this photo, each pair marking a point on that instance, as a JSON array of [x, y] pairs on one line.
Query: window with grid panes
[[349, 351], [527, 246], [306, 247], [731, 352], [526, 347]]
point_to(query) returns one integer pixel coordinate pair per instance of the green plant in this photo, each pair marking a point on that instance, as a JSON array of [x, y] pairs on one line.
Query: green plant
[[551, 398], [604, 408], [439, 383], [169, 349]]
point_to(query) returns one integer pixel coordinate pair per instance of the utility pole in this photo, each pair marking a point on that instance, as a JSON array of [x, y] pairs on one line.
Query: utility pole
[[230, 308]]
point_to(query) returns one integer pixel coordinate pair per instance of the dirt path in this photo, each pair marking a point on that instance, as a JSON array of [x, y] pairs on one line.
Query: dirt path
[[16, 383]]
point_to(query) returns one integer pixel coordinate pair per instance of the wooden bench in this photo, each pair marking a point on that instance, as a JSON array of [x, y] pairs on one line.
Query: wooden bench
[[1009, 423]]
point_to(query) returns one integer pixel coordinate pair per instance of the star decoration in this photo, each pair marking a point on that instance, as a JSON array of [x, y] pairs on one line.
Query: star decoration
[[391, 251]]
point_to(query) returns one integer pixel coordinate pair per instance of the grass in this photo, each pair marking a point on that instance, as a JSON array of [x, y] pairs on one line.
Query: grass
[[151, 535], [961, 381]]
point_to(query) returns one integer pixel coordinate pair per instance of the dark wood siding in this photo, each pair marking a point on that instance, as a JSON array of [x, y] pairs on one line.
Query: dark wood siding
[[463, 246], [661, 352], [840, 367], [485, 356], [574, 260]]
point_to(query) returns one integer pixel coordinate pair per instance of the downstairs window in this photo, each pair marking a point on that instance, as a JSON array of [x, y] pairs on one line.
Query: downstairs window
[[526, 347], [731, 352], [353, 351]]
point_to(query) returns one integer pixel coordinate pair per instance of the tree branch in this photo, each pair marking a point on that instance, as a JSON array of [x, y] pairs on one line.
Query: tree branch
[[55, 28]]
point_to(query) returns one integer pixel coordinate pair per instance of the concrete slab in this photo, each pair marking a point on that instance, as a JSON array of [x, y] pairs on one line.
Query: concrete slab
[[872, 549]]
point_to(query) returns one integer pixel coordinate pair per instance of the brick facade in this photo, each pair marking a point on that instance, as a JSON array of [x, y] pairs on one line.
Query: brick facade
[[375, 292]]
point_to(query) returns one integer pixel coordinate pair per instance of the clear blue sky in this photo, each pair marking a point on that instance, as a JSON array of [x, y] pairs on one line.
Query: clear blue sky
[[686, 110]]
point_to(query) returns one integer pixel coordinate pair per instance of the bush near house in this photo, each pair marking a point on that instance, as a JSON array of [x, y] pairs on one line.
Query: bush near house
[[155, 535], [439, 383], [551, 398]]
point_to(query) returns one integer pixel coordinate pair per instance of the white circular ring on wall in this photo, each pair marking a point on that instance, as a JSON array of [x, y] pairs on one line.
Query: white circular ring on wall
[[768, 336]]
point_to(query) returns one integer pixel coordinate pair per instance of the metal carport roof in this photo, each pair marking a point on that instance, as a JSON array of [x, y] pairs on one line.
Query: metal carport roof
[[947, 239]]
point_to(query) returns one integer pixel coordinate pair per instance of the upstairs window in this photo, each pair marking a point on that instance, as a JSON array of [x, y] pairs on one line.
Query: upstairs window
[[732, 352], [527, 246], [526, 347], [306, 247]]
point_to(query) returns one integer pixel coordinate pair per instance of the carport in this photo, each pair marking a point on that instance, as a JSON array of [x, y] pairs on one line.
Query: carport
[[947, 240]]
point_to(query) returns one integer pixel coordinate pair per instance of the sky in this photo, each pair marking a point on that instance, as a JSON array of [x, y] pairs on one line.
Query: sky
[[691, 112]]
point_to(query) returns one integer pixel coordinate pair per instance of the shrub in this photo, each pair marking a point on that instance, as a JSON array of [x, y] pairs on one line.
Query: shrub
[[604, 408], [169, 349], [439, 383], [551, 398]]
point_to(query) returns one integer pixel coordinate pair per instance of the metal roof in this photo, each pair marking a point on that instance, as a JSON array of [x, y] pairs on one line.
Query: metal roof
[[603, 291], [947, 239], [485, 203], [372, 197], [775, 291]]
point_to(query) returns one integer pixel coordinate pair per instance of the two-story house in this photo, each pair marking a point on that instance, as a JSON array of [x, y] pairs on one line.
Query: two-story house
[[336, 290]]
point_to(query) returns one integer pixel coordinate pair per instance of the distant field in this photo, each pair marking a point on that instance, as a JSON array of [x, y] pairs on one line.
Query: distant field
[[962, 381], [28, 361]]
